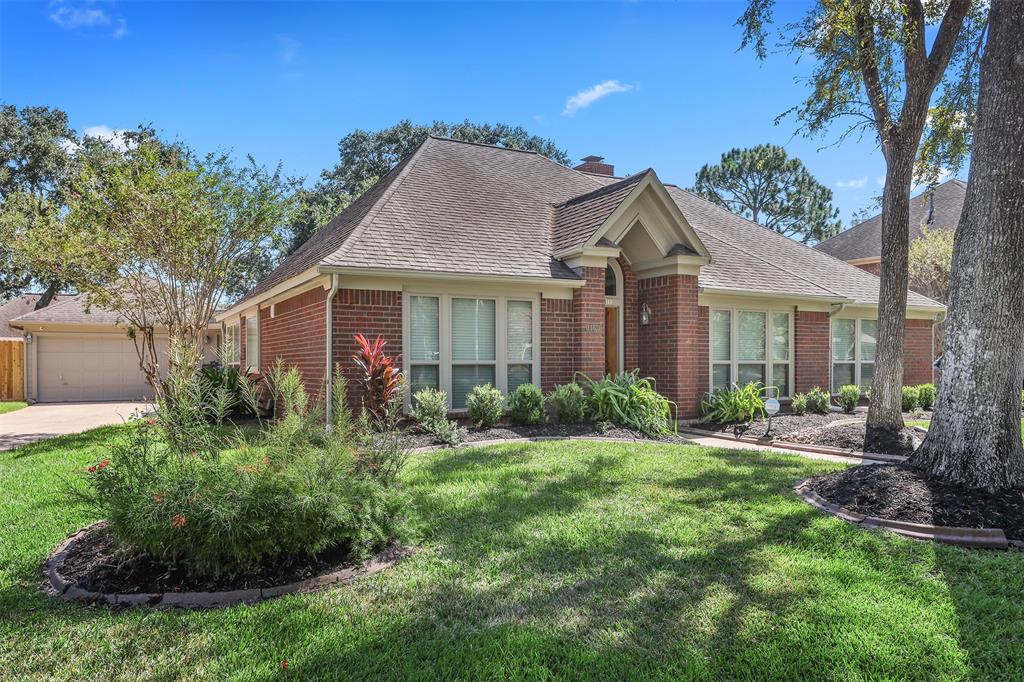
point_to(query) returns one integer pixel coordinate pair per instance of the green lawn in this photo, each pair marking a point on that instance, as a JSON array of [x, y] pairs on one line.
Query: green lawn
[[552, 560], [11, 406], [926, 422]]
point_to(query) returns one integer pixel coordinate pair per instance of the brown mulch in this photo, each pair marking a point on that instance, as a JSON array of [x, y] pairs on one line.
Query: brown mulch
[[851, 437], [781, 424], [96, 563], [550, 430], [903, 493]]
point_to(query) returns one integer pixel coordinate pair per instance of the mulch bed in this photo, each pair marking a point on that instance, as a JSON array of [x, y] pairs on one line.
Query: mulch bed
[[98, 565], [782, 425], [505, 432], [901, 492], [851, 437]]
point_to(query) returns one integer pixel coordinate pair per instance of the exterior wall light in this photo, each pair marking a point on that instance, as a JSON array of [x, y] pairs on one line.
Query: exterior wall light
[[645, 315]]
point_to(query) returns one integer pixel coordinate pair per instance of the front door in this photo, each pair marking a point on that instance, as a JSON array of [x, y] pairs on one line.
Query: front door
[[611, 341]]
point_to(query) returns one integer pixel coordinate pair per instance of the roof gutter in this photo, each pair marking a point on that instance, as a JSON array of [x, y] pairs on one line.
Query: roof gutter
[[455, 276], [836, 309], [329, 359]]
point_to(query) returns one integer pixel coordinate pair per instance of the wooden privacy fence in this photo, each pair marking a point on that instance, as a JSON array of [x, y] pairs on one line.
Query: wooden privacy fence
[[12, 369]]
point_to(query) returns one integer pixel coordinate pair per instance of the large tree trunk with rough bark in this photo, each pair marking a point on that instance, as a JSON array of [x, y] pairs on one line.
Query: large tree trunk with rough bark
[[975, 437], [885, 415]]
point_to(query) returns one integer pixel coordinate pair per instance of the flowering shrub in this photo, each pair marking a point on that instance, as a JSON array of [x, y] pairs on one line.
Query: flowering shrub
[[294, 488]]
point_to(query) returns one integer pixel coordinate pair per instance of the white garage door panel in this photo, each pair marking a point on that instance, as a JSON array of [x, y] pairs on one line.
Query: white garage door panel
[[83, 368]]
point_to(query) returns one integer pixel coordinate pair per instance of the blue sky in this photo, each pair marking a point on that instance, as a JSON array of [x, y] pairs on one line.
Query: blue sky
[[285, 81]]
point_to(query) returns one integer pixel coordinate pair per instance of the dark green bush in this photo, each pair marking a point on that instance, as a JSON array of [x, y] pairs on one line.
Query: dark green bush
[[567, 401], [911, 398], [849, 397], [926, 395], [526, 405], [819, 401], [628, 400], [224, 392], [485, 406], [736, 404]]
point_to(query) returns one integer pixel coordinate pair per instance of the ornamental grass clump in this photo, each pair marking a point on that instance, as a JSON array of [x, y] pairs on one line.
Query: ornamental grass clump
[[224, 504], [627, 400], [734, 405]]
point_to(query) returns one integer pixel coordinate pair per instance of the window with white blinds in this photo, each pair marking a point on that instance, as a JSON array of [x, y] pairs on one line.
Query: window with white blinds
[[456, 343], [751, 346], [853, 352], [252, 343]]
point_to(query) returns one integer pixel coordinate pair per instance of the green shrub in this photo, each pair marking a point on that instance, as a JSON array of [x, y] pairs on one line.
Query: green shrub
[[429, 406], [736, 404], [911, 398], [819, 401], [799, 403], [485, 406], [849, 397], [526, 405], [627, 400], [926, 395], [224, 393], [567, 401], [293, 489], [430, 409]]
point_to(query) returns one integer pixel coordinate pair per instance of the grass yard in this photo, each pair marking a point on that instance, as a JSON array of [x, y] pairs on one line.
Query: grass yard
[[552, 560], [11, 406], [926, 423]]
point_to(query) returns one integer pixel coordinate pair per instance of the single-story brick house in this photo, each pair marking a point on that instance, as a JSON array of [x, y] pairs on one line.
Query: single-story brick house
[[483, 264], [935, 209]]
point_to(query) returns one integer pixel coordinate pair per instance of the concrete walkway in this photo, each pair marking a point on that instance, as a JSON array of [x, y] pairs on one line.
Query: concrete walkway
[[42, 421]]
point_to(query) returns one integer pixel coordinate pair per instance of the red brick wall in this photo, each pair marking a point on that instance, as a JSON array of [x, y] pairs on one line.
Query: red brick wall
[[630, 317], [588, 321], [917, 356], [874, 268], [557, 342], [371, 313], [673, 347], [297, 334], [813, 358]]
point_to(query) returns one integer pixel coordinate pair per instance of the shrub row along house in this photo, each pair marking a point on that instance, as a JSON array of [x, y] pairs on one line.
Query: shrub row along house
[[486, 265]]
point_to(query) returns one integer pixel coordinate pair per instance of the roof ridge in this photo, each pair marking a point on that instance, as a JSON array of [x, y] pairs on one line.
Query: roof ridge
[[382, 201], [442, 138], [603, 189]]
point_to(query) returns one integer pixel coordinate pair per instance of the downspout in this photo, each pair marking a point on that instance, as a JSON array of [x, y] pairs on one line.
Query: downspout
[[835, 311], [329, 353]]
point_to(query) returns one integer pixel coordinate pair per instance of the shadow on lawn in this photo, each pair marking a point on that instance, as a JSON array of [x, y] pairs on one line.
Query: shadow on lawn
[[579, 565]]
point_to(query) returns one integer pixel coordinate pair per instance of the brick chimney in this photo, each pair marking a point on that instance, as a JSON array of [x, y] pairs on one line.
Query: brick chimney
[[593, 164]]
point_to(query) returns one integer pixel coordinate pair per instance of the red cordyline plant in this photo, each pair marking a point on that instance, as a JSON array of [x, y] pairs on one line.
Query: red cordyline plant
[[380, 376]]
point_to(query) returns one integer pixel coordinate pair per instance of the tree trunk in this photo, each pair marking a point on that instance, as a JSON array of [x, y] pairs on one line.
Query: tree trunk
[[975, 439], [52, 289], [885, 414]]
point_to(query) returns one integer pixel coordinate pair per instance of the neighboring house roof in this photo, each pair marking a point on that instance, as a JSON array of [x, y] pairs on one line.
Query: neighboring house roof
[[938, 209], [16, 307], [70, 310], [463, 208]]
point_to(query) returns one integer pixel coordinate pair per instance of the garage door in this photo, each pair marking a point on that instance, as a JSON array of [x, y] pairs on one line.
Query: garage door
[[82, 368]]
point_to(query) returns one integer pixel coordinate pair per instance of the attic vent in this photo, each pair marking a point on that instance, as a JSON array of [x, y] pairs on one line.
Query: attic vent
[[593, 164]]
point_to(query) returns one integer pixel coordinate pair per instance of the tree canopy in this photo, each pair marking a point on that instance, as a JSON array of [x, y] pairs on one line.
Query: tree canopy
[[36, 162], [365, 156], [764, 185]]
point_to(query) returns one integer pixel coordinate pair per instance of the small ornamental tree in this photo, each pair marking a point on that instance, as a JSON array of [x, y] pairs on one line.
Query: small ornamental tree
[[156, 234]]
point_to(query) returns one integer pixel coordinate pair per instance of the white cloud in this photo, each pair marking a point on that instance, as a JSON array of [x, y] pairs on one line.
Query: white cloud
[[289, 47], [880, 181], [114, 136], [584, 98], [856, 183], [73, 16]]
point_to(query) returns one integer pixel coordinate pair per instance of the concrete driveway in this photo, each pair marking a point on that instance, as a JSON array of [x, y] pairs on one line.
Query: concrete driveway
[[46, 420]]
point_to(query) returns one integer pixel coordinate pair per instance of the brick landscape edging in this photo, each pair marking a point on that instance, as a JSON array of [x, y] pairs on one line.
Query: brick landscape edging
[[57, 585], [985, 538]]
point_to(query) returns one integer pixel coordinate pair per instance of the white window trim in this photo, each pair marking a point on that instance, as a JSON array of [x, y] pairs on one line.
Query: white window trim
[[734, 362], [617, 301], [445, 362], [857, 361], [252, 360]]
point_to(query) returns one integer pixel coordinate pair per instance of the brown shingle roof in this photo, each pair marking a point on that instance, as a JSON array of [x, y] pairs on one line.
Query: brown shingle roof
[[864, 240], [17, 306], [463, 208], [70, 310]]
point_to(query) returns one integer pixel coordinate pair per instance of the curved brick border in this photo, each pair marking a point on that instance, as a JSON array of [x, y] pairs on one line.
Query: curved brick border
[[802, 447], [987, 538], [540, 439], [57, 585]]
